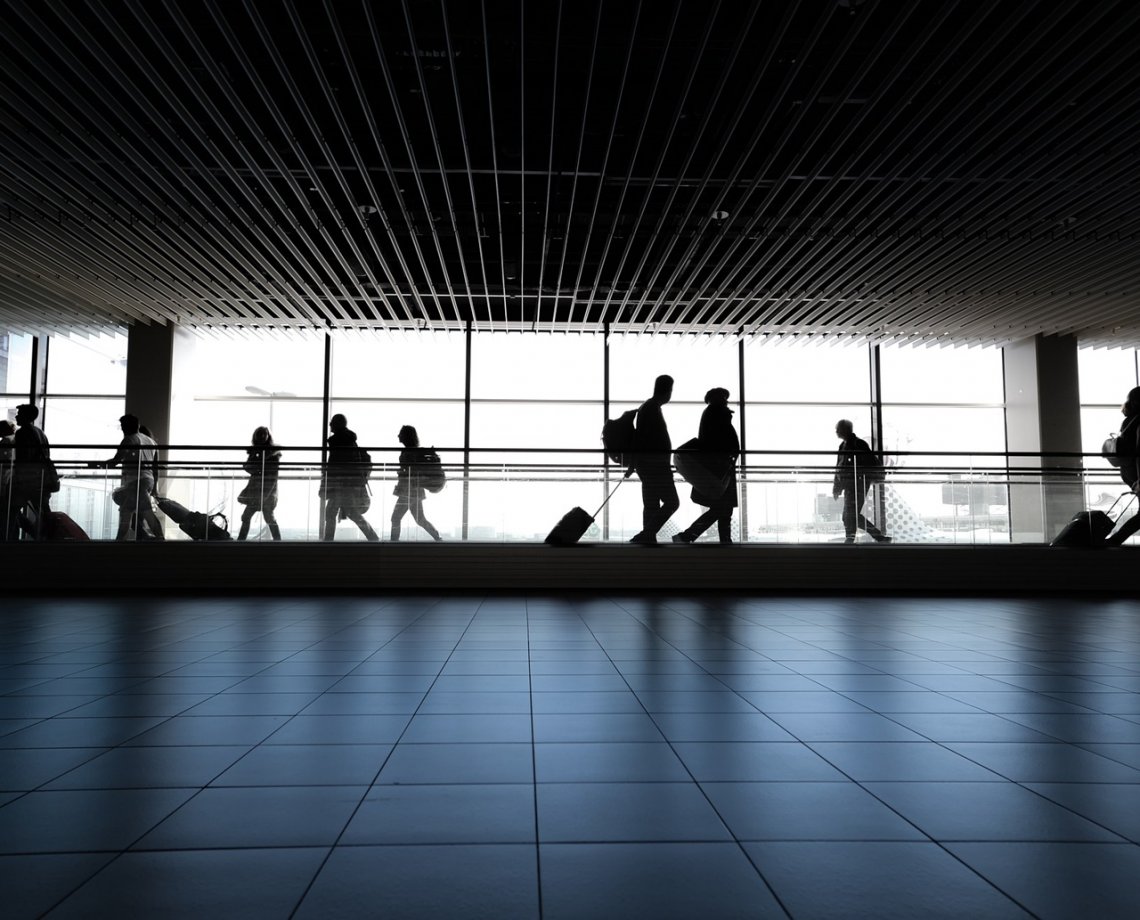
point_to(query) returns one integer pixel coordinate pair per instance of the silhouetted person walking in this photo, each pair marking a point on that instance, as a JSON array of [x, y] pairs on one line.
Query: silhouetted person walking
[[345, 482], [260, 494], [853, 465], [651, 451], [7, 456], [1128, 450], [409, 492], [720, 447], [31, 472], [137, 455]]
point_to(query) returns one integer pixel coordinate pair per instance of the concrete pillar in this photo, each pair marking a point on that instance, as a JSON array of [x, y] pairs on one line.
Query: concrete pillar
[[1043, 415], [150, 363]]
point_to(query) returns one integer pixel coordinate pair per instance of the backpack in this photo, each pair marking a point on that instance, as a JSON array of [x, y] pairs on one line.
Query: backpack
[[430, 472], [363, 464], [874, 469], [618, 437]]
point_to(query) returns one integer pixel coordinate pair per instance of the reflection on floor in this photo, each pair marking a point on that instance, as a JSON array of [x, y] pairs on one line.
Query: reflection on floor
[[570, 757]]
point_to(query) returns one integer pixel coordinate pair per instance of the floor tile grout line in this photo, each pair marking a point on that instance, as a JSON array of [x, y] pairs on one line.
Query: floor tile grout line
[[127, 849], [680, 760], [857, 783], [364, 798], [533, 756]]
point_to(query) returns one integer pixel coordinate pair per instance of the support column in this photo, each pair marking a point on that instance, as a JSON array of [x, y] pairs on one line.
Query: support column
[[1043, 415], [150, 367]]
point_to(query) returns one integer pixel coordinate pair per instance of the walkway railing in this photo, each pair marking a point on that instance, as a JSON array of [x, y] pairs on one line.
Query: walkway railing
[[517, 495]]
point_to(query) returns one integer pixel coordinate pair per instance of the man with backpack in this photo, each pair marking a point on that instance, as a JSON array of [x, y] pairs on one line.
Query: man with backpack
[[857, 467], [652, 449], [344, 483]]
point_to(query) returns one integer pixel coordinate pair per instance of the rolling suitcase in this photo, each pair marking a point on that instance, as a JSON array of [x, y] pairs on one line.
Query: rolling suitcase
[[1089, 528], [576, 522], [195, 524], [60, 526]]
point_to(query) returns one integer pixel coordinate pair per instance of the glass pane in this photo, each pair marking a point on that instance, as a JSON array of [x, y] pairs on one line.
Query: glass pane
[[537, 425], [800, 429], [82, 421], [410, 366], [1097, 423], [915, 374], [536, 366], [1106, 374], [696, 363], [95, 366], [15, 364], [377, 422], [807, 373], [934, 428], [244, 365]]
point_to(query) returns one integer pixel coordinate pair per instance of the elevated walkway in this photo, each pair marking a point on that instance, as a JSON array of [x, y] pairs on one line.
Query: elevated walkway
[[110, 568]]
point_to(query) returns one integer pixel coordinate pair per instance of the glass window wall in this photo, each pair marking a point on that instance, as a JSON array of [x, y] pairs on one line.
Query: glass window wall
[[382, 381], [224, 388], [945, 399], [533, 392], [795, 395]]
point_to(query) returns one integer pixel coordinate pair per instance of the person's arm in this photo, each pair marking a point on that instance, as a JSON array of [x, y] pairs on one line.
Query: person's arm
[[837, 484], [120, 456]]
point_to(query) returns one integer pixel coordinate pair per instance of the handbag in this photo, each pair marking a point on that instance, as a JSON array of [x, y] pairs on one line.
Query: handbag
[[692, 463], [1108, 449]]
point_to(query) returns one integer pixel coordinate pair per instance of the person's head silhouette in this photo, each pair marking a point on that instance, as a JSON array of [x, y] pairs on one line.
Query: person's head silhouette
[[408, 436], [1131, 405], [129, 424], [26, 414], [844, 429], [338, 422], [663, 388], [262, 437]]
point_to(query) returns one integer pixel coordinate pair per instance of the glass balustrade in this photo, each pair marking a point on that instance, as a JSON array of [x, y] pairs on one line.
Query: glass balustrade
[[516, 496]]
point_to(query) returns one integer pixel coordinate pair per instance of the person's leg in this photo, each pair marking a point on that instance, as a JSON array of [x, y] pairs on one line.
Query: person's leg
[[724, 524], [849, 515], [270, 518], [659, 496], [331, 509], [365, 528], [125, 515], [698, 527], [860, 498], [670, 500], [246, 519], [649, 501], [421, 519], [397, 515], [150, 519]]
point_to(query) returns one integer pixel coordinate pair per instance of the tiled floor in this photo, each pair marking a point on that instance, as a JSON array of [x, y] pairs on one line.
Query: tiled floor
[[545, 757]]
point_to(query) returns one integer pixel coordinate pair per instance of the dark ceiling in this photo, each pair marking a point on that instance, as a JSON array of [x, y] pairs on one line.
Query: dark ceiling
[[923, 171]]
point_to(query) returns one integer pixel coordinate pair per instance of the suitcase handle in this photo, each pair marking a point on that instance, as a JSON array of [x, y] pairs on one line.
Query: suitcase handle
[[608, 497], [1123, 495]]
